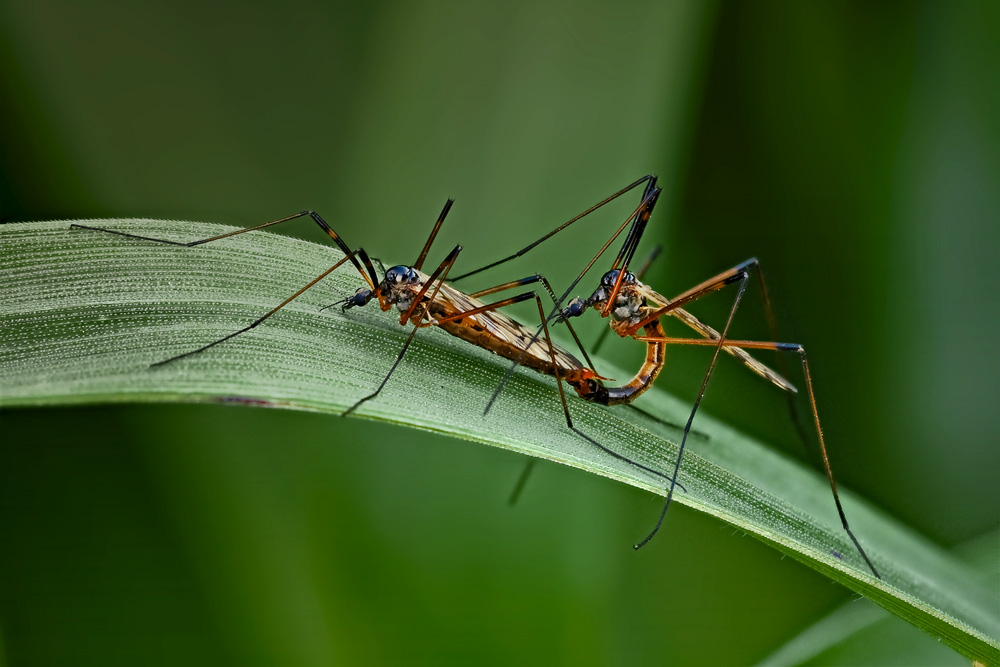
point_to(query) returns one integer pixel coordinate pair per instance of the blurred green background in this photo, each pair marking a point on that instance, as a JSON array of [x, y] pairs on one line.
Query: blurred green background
[[851, 146]]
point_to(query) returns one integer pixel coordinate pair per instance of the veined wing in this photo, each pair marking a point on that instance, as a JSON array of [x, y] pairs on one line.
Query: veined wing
[[709, 332], [505, 329]]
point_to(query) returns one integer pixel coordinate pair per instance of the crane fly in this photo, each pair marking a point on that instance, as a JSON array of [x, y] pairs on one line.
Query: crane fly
[[635, 311], [426, 300]]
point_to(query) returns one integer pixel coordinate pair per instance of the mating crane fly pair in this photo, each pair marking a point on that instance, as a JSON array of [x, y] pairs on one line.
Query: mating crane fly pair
[[635, 311]]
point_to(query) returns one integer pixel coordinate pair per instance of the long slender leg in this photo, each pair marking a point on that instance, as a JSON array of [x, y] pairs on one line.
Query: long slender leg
[[713, 284], [694, 410], [778, 379], [399, 357], [419, 323], [631, 243], [565, 405], [772, 325], [430, 239], [788, 347], [527, 296], [649, 197], [623, 260], [641, 213], [370, 277], [441, 271], [740, 355], [740, 275], [661, 306], [496, 305], [436, 279], [628, 188], [522, 480], [532, 461], [258, 320], [539, 278]]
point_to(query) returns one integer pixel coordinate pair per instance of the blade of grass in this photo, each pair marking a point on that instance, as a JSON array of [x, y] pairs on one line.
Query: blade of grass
[[84, 314], [862, 634]]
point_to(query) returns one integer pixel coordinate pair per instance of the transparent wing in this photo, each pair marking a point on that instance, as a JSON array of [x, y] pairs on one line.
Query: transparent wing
[[507, 329], [709, 332]]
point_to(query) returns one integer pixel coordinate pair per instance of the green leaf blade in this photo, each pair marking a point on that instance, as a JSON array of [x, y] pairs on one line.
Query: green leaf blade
[[84, 315]]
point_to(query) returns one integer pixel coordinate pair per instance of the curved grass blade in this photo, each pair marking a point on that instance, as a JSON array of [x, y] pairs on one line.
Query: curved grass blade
[[863, 634], [83, 315]]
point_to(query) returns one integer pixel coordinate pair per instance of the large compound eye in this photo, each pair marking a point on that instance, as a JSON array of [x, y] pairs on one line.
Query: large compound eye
[[412, 276], [609, 278], [398, 274]]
